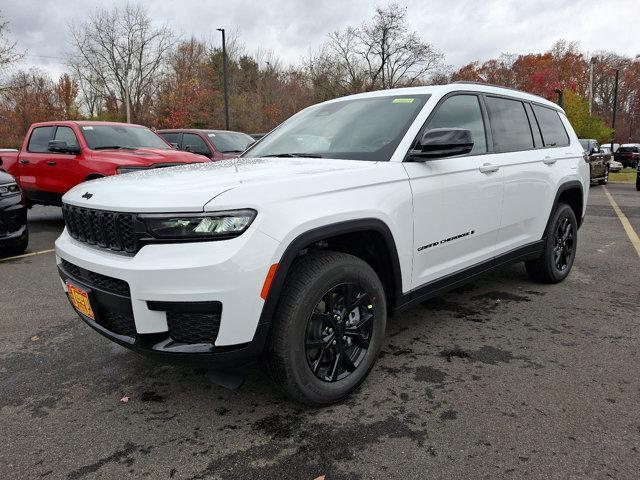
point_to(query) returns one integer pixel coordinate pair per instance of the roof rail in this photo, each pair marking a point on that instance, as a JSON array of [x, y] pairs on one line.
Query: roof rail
[[470, 82]]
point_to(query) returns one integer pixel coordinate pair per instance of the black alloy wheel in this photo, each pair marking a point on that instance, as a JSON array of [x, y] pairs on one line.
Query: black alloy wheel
[[563, 248], [338, 332]]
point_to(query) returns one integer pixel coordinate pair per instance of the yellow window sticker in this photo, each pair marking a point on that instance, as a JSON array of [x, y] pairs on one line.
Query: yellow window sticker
[[403, 100]]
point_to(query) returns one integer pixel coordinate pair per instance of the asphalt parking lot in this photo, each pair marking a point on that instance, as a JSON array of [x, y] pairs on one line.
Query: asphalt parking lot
[[502, 378]]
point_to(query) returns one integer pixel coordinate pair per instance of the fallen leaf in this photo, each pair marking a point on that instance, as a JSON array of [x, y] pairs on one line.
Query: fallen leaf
[[35, 338], [124, 399], [321, 477]]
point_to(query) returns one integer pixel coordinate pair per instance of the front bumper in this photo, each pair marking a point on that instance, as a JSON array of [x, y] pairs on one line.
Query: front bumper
[[13, 220], [140, 300]]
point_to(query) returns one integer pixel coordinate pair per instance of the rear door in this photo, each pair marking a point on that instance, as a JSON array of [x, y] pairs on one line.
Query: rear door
[[456, 200], [32, 157]]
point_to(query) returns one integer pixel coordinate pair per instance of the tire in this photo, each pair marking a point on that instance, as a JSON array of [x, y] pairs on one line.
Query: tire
[[638, 183], [545, 269], [20, 246], [604, 180], [311, 287]]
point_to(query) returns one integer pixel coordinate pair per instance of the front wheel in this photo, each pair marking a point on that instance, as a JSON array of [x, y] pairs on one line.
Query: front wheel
[[560, 246], [604, 180], [328, 328]]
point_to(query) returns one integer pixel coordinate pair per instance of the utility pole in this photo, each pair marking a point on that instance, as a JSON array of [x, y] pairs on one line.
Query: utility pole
[[126, 92], [591, 64], [615, 101], [560, 97], [226, 83]]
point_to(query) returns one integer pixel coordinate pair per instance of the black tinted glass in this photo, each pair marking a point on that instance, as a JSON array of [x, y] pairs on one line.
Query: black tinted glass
[[462, 111], [65, 134], [553, 132], [170, 137], [509, 125], [39, 141], [193, 143]]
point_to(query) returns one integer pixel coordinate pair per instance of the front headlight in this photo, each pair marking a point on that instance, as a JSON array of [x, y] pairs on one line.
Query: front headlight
[[9, 189], [214, 225]]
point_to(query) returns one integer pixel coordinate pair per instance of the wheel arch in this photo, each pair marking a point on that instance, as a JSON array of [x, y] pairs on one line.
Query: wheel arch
[[303, 242], [572, 194]]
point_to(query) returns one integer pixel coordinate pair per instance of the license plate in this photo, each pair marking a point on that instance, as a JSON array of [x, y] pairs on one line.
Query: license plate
[[80, 300]]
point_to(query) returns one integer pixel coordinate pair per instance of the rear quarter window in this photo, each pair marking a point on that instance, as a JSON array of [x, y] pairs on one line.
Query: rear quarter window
[[551, 127], [509, 125]]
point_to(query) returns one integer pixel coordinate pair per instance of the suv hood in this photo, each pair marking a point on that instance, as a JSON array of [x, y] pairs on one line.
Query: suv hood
[[189, 188], [143, 157]]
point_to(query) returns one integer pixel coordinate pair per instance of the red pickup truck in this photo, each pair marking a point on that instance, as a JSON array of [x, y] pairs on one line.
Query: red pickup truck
[[56, 156]]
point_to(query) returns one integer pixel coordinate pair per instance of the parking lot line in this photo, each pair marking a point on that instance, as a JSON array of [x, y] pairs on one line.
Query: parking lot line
[[631, 233], [27, 255]]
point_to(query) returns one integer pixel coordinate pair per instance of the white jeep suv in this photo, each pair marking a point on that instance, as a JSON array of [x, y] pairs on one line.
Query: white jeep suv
[[350, 211]]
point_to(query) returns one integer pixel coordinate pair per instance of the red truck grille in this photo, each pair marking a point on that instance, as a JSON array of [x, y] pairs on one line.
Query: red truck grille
[[112, 230]]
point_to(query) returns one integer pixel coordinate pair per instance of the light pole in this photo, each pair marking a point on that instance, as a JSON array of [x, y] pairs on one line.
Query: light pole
[[613, 115], [226, 84], [591, 64]]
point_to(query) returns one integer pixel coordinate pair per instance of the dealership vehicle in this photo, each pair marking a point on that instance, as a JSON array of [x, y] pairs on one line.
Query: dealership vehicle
[[599, 161], [347, 213], [56, 156], [213, 144], [14, 235], [628, 154]]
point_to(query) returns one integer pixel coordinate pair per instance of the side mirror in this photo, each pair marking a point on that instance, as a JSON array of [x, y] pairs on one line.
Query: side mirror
[[198, 150], [174, 145], [443, 142], [60, 146]]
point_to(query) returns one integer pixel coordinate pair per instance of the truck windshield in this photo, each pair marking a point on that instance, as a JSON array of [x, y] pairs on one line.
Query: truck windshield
[[127, 137], [358, 129], [230, 142]]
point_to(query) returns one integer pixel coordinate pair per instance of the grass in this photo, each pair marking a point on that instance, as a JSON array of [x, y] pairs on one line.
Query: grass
[[626, 175]]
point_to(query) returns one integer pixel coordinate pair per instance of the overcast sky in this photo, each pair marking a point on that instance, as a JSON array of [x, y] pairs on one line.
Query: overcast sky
[[464, 30]]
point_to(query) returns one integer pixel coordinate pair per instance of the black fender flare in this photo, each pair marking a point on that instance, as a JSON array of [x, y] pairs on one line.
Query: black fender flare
[[315, 235], [563, 188]]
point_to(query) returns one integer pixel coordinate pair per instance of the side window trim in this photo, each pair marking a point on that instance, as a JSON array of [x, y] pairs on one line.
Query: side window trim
[[538, 141], [53, 130], [435, 110]]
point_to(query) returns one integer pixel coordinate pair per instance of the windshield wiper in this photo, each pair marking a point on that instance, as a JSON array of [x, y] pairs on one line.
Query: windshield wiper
[[232, 151], [114, 147], [291, 155]]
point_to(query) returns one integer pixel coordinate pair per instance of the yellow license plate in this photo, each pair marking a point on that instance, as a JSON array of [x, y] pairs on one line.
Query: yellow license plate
[[80, 300]]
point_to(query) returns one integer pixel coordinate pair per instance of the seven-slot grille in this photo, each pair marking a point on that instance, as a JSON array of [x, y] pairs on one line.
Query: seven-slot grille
[[112, 230]]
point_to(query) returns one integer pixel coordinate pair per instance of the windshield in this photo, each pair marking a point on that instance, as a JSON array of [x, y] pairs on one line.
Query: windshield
[[628, 149], [229, 142], [359, 129], [104, 137]]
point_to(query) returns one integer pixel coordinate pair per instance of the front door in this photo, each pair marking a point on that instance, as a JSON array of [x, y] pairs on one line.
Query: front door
[[457, 201], [29, 161]]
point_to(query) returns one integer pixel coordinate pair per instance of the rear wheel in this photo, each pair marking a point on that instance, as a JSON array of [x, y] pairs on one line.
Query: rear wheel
[[328, 328], [559, 252]]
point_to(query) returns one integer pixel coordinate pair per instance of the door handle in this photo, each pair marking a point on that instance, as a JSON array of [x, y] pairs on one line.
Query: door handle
[[549, 160], [488, 168], [24, 161], [51, 163]]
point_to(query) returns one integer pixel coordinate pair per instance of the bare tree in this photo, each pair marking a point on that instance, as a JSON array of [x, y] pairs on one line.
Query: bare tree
[[119, 51], [380, 54], [8, 50]]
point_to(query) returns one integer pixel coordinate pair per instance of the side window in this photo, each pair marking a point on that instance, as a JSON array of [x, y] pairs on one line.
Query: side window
[[39, 141], [509, 125], [65, 134], [193, 143], [171, 137], [553, 131], [535, 128], [462, 111]]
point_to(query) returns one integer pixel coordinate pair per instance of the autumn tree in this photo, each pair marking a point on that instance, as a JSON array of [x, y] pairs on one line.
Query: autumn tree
[[585, 125], [118, 48]]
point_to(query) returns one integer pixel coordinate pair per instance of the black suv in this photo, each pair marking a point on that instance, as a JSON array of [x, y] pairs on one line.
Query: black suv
[[599, 161], [14, 235]]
